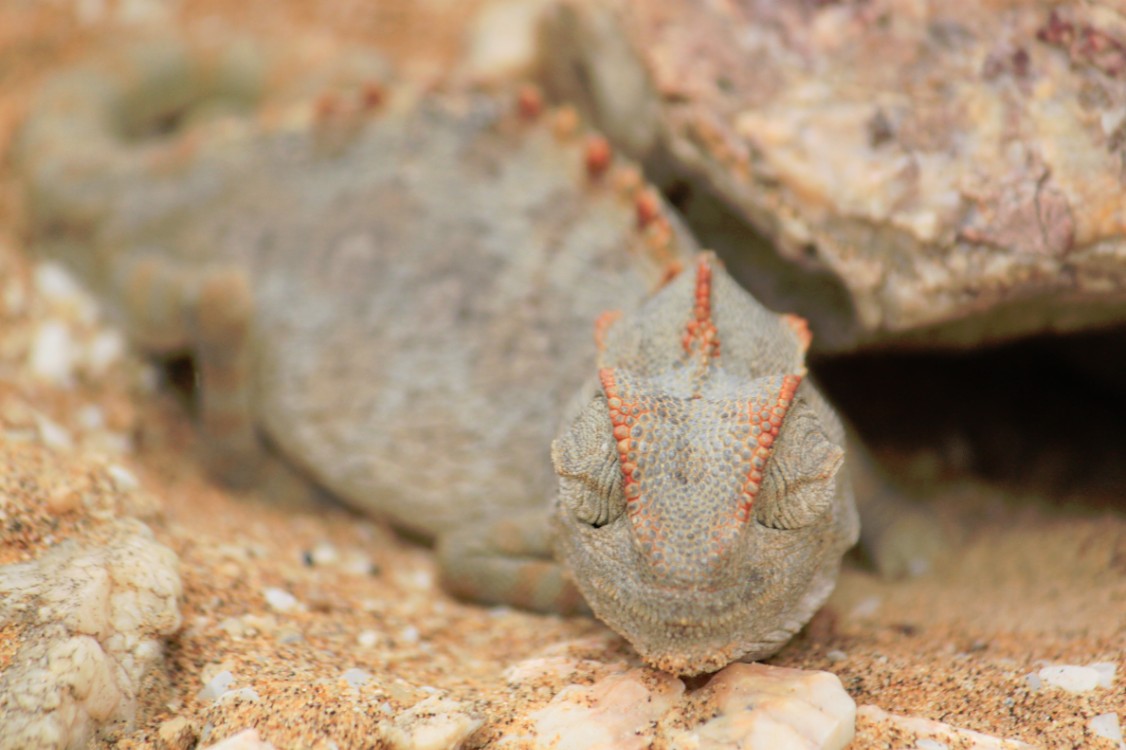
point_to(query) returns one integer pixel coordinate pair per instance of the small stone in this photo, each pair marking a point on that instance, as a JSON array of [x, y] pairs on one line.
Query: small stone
[[368, 638], [866, 608], [1071, 678], [176, 734], [123, 479], [324, 554], [1106, 670], [53, 354], [241, 695], [878, 728], [435, 723], [502, 40], [764, 706], [103, 351], [55, 283], [52, 434], [1108, 727], [280, 600], [247, 739], [216, 687], [356, 677], [836, 656], [63, 500], [90, 417], [619, 711]]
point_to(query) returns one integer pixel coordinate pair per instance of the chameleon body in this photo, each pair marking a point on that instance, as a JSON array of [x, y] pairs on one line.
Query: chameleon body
[[401, 300]]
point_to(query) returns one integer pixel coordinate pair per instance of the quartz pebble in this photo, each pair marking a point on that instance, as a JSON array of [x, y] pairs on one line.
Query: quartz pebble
[[435, 723], [756, 705], [885, 729], [744, 705], [356, 677], [53, 354], [176, 734], [1073, 678], [216, 686], [247, 739], [1108, 727], [617, 712], [280, 600]]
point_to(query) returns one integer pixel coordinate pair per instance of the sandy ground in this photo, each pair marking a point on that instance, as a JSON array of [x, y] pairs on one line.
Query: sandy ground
[[1032, 580]]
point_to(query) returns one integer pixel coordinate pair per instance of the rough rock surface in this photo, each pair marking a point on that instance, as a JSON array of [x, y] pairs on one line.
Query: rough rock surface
[[935, 172], [744, 705], [87, 596]]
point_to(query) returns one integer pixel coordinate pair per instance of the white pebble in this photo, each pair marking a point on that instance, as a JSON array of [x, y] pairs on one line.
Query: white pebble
[[836, 656], [55, 283], [280, 600], [409, 634], [356, 677], [53, 353], [357, 564], [90, 417], [106, 349], [217, 686], [325, 554], [368, 638], [502, 41], [1071, 678], [866, 608], [123, 479], [52, 434], [1106, 670], [1108, 727], [245, 695]]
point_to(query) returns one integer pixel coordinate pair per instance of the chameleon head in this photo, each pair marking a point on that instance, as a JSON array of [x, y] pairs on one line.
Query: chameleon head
[[703, 508]]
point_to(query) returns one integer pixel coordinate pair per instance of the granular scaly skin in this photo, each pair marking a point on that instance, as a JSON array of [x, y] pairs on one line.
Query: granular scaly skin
[[704, 504], [400, 295], [942, 173]]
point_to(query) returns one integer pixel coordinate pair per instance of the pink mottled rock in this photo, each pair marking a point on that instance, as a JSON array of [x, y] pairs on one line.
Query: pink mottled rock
[[912, 166]]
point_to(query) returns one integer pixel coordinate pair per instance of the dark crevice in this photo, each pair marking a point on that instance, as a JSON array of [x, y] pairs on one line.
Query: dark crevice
[[1045, 415]]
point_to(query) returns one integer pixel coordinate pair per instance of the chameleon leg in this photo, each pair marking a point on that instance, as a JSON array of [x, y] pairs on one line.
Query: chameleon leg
[[224, 312], [508, 562], [170, 311]]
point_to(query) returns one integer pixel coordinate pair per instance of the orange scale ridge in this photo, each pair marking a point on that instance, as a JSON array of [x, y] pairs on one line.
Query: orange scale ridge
[[769, 419]]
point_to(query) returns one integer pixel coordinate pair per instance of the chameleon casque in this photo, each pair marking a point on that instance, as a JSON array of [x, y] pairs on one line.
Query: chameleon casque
[[399, 294]]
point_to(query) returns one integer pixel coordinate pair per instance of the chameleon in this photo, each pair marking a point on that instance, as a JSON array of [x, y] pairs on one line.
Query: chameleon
[[402, 294]]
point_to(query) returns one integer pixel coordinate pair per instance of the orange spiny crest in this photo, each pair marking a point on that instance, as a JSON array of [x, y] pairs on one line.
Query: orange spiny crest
[[529, 102], [597, 156], [326, 106], [800, 327], [622, 415], [372, 96], [766, 422], [701, 329], [602, 327], [647, 207], [565, 123]]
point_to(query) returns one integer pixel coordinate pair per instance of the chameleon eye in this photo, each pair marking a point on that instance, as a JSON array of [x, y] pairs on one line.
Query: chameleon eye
[[801, 476], [586, 460]]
